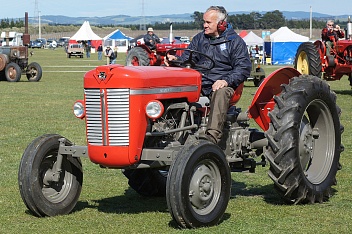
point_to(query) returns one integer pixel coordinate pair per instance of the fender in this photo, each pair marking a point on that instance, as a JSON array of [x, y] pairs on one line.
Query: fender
[[263, 101]]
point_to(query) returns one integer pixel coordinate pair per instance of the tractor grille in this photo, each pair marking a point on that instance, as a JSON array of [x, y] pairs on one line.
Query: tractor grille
[[107, 116]]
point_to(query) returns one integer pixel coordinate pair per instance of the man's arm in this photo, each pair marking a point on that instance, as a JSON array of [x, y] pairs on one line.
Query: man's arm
[[241, 64]]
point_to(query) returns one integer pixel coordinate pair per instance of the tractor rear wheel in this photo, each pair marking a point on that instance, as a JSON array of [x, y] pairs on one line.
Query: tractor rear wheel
[[13, 72], [147, 182], [137, 56], [304, 140], [199, 185], [34, 72], [307, 60], [40, 191]]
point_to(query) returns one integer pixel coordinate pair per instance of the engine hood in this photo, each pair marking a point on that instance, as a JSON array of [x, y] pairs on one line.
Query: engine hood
[[118, 76]]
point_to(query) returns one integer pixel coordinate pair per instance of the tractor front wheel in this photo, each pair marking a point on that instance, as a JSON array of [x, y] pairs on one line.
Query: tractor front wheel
[[137, 56], [307, 60], [13, 72], [199, 185], [304, 140], [44, 192], [34, 72]]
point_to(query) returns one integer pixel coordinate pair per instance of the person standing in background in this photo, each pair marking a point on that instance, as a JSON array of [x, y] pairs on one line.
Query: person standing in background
[[100, 52]]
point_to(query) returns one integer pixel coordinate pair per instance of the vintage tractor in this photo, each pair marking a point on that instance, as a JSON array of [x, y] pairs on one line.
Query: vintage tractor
[[148, 121], [311, 58], [257, 72], [142, 55], [14, 60]]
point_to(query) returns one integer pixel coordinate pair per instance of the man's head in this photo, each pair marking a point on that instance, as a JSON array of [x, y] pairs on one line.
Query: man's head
[[215, 21], [150, 30], [330, 24]]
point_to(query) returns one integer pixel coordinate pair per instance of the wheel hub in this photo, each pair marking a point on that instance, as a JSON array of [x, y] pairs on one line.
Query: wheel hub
[[201, 187]]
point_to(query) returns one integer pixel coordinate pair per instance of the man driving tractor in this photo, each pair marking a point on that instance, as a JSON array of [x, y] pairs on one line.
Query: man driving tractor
[[330, 34], [219, 41]]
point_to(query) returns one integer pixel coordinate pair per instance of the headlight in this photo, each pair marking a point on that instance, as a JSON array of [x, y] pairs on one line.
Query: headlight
[[154, 109], [78, 109]]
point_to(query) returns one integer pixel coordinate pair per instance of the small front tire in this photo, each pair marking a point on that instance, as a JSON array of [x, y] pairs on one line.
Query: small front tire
[[199, 185], [34, 72], [42, 195]]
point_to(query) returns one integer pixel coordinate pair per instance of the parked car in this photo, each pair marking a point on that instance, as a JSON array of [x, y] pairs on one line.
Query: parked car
[[63, 41], [38, 43], [52, 43]]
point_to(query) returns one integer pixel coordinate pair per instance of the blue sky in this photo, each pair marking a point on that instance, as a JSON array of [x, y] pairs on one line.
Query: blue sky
[[80, 8]]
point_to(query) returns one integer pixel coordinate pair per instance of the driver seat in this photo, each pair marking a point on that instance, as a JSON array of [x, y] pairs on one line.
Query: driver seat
[[237, 95]]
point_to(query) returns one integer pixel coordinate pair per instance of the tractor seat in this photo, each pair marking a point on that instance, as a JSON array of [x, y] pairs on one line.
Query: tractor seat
[[237, 95]]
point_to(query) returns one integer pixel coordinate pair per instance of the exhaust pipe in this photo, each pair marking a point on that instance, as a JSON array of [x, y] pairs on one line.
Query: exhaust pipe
[[26, 37]]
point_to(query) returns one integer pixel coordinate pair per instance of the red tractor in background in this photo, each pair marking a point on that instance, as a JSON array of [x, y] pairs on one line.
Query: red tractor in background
[[142, 55], [311, 58], [148, 121]]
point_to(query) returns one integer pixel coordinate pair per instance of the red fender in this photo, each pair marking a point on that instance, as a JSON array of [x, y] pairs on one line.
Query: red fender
[[263, 101]]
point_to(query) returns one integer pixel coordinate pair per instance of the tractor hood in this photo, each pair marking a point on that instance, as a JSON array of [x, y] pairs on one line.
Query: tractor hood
[[139, 78]]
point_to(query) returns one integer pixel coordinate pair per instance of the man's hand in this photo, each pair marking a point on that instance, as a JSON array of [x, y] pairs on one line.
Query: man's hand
[[170, 57], [219, 84]]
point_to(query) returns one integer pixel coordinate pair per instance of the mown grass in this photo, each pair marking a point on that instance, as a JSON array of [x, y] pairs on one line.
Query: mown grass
[[107, 204]]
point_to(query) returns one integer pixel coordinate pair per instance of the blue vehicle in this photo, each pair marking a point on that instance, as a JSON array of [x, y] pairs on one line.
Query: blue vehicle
[[38, 43]]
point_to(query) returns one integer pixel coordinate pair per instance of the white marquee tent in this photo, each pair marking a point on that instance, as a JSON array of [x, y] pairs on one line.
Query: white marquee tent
[[85, 33], [252, 39]]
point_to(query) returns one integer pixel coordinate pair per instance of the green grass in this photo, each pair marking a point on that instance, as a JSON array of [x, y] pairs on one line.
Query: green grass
[[107, 204]]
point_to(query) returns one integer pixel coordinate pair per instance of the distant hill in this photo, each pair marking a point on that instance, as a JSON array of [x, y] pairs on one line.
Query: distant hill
[[125, 19]]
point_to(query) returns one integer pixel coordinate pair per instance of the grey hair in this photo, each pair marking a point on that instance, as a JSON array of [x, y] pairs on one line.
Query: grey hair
[[222, 14]]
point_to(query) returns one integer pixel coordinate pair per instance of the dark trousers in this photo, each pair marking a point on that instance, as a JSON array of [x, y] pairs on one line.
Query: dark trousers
[[219, 105]]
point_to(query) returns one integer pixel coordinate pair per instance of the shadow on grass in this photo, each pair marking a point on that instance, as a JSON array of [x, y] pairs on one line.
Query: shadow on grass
[[343, 92], [130, 203], [268, 192]]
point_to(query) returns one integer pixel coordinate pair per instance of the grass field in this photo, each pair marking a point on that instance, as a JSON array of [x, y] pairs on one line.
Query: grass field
[[107, 204]]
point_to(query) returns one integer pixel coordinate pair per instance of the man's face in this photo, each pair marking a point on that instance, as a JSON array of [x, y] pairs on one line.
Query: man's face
[[210, 23], [330, 25]]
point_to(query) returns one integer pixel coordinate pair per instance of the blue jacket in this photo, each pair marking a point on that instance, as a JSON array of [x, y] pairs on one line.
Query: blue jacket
[[230, 53]]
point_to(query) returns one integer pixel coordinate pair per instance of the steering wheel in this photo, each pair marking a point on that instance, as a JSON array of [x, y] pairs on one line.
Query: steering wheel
[[189, 63]]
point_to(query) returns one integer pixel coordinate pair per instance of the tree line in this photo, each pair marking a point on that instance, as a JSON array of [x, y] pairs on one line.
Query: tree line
[[7, 23], [254, 20]]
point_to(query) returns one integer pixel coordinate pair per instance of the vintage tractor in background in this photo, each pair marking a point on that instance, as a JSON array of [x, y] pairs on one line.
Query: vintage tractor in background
[[142, 55], [14, 59], [149, 121], [311, 58]]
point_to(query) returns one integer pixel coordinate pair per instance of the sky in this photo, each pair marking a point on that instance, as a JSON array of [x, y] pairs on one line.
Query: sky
[[100, 8]]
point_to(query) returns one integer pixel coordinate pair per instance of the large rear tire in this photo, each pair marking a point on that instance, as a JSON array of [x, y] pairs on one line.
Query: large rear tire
[[13, 72], [199, 185], [137, 56], [307, 60], [40, 193], [147, 182], [34, 72], [304, 140]]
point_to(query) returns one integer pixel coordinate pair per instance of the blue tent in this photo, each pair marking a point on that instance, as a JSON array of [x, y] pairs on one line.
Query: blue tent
[[117, 34], [284, 44], [118, 40]]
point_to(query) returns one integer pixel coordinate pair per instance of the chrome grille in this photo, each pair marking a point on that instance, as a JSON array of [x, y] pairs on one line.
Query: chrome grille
[[116, 110]]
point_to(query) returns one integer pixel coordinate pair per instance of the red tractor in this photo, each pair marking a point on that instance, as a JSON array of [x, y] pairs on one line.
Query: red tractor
[[147, 121], [311, 58], [142, 55]]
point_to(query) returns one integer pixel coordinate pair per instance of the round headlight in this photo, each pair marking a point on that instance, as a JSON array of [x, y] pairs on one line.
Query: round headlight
[[154, 109], [78, 110]]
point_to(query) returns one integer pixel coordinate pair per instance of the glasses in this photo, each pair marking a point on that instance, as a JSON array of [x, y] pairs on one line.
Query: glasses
[[330, 25]]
